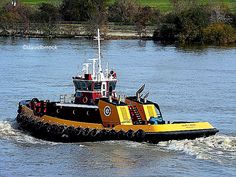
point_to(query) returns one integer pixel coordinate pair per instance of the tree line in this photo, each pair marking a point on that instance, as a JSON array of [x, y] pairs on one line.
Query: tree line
[[193, 22], [188, 22]]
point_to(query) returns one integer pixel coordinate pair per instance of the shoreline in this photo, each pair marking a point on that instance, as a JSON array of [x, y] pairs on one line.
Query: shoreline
[[175, 43], [110, 37], [115, 32], [63, 30]]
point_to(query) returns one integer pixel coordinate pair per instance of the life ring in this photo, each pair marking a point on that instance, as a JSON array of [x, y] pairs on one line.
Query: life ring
[[107, 111], [85, 99]]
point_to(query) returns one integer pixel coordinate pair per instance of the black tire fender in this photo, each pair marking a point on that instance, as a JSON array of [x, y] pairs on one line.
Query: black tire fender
[[113, 134], [121, 135], [139, 135], [86, 132], [130, 135], [78, 131]]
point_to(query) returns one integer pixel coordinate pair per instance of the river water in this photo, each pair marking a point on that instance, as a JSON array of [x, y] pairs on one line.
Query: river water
[[189, 84]]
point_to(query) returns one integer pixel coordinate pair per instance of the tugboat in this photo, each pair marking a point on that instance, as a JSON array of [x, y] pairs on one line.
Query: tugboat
[[95, 113]]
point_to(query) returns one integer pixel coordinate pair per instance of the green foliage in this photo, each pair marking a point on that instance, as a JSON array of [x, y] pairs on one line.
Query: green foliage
[[163, 5], [76, 10], [98, 16], [192, 22], [123, 11], [131, 13], [82, 10], [197, 15], [3, 3], [167, 33], [38, 2], [219, 33], [11, 16], [233, 17], [9, 19], [145, 16], [186, 22], [219, 13], [47, 13]]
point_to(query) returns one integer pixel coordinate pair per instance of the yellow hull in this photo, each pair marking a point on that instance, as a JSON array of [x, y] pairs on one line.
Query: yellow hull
[[147, 128], [153, 133]]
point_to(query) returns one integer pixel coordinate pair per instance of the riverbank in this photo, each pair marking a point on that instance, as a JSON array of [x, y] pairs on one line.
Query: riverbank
[[112, 31]]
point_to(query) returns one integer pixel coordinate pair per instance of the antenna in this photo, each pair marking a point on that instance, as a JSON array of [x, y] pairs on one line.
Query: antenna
[[107, 69], [99, 53], [100, 75], [94, 64], [86, 68]]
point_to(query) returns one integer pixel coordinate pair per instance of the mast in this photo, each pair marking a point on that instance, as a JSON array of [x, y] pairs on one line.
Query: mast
[[99, 53], [86, 68]]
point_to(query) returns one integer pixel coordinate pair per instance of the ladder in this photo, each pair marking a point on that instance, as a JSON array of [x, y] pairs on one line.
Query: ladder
[[136, 117]]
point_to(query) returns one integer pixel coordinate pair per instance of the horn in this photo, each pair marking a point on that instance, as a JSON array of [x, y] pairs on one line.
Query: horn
[[139, 91], [145, 97]]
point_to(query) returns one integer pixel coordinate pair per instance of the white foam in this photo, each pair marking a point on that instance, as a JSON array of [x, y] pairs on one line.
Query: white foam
[[219, 148], [9, 131]]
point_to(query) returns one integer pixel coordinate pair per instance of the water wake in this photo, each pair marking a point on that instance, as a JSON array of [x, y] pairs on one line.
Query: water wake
[[220, 148], [9, 131]]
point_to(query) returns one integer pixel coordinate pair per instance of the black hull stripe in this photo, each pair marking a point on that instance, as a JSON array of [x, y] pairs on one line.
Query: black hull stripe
[[61, 133]]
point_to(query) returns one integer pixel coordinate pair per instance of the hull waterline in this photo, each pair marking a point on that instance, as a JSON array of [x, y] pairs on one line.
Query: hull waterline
[[50, 128]]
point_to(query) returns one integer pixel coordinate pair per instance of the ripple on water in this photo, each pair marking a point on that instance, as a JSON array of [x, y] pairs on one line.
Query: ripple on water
[[218, 148], [9, 131]]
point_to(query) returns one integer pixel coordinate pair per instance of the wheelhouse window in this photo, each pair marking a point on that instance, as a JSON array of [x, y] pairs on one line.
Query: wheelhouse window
[[89, 85], [112, 85], [78, 94], [83, 85], [77, 85], [97, 86]]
